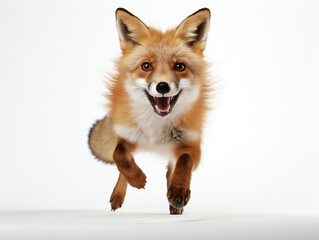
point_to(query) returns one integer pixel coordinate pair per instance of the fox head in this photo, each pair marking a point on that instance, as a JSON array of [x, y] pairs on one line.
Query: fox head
[[163, 72]]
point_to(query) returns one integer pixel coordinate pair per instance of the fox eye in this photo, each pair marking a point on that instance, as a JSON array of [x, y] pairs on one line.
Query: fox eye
[[180, 67], [146, 66]]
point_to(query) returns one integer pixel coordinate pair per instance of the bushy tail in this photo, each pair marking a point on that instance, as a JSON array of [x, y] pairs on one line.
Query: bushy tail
[[103, 140]]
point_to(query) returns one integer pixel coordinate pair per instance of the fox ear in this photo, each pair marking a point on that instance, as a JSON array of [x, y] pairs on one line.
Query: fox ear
[[193, 30], [132, 31]]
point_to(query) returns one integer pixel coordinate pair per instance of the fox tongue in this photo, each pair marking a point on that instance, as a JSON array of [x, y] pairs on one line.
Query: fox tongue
[[162, 103]]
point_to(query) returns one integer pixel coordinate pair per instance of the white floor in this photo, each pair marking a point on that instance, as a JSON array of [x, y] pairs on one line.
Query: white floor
[[99, 224]]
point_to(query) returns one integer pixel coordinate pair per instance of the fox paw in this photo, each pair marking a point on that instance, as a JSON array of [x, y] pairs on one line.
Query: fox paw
[[175, 211], [178, 196], [116, 201], [136, 179]]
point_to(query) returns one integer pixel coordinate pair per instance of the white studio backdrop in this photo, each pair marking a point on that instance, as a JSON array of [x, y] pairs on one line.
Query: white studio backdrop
[[260, 150]]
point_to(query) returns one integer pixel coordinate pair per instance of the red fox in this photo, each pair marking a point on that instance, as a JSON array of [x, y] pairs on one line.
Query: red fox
[[157, 102]]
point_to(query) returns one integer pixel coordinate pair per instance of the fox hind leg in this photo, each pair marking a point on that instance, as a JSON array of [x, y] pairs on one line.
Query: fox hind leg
[[118, 194]]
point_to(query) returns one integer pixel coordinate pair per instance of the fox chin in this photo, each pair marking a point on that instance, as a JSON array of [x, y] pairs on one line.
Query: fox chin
[[158, 101]]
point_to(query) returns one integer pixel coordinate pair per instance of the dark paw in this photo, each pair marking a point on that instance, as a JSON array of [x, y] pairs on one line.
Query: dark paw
[[175, 211], [178, 196]]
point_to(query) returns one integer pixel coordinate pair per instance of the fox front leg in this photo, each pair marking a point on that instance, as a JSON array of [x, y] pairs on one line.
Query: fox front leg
[[179, 192], [126, 165]]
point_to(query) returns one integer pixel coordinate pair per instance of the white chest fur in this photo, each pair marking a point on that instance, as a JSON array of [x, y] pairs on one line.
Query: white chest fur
[[155, 137], [154, 132], [150, 134]]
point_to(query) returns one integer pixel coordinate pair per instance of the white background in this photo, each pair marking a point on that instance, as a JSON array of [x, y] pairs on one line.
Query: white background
[[261, 145]]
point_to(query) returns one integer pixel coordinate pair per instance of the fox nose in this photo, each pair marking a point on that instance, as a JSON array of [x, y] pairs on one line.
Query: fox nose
[[162, 88]]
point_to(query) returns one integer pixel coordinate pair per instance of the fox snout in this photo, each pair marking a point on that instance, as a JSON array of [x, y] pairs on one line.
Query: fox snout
[[163, 96], [163, 89]]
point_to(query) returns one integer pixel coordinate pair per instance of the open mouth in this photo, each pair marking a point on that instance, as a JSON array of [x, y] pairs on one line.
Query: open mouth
[[162, 105]]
